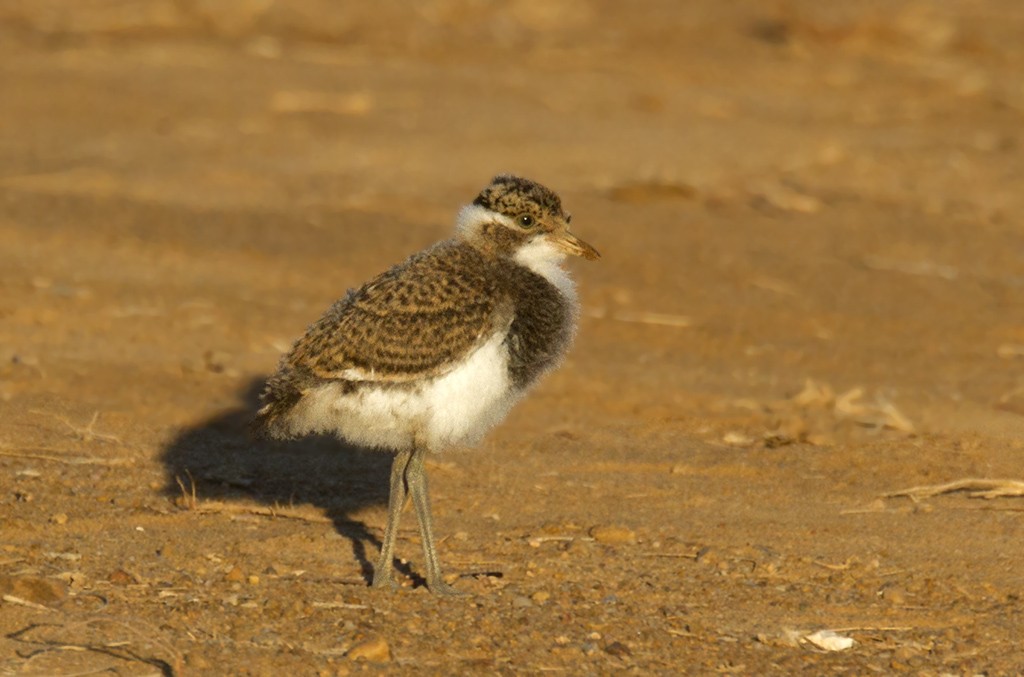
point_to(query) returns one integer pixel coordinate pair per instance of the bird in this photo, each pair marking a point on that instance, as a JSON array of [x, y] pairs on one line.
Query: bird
[[434, 352]]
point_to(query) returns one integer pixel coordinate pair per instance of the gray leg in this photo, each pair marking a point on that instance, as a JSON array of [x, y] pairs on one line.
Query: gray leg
[[416, 479], [382, 573]]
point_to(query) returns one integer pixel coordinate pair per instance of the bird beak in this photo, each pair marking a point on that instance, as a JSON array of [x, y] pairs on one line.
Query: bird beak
[[570, 244]]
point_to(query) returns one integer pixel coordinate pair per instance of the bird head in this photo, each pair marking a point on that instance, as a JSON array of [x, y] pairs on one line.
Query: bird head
[[514, 215]]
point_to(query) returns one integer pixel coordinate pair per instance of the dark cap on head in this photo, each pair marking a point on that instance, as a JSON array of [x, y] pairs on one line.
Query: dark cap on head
[[507, 193]]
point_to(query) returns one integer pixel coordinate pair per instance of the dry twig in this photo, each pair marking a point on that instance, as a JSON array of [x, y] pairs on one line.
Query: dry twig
[[13, 599], [86, 433], [216, 507], [188, 497], [82, 636], [977, 488]]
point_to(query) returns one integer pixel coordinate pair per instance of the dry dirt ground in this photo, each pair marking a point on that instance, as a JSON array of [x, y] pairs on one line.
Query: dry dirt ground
[[810, 298]]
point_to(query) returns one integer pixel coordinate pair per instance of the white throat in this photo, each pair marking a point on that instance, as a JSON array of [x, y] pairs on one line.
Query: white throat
[[545, 259]]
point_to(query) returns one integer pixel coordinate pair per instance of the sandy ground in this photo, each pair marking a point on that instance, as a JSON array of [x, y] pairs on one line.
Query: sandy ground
[[810, 298]]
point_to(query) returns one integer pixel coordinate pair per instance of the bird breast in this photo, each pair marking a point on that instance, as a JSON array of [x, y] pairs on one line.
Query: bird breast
[[544, 314]]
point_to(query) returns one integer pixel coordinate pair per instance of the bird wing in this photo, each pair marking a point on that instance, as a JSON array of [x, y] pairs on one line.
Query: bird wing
[[413, 321]]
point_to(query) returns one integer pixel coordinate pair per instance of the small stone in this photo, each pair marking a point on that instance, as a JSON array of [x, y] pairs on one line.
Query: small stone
[[737, 439], [521, 602], [895, 596], [618, 649], [375, 650], [45, 591], [829, 640], [253, 580], [613, 535], [787, 199], [235, 575], [60, 518], [540, 596], [707, 556], [904, 654], [75, 580], [196, 661]]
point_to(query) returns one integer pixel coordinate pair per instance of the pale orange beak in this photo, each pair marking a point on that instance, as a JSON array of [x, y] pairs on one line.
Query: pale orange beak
[[570, 244]]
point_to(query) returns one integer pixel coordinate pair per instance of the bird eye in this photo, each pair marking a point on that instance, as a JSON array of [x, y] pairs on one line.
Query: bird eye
[[526, 221], [568, 218]]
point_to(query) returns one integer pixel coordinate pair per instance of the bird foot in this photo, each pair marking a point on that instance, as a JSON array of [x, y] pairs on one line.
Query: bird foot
[[382, 580], [441, 589]]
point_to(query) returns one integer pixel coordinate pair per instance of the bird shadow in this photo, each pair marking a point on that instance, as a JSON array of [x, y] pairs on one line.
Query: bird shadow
[[220, 460]]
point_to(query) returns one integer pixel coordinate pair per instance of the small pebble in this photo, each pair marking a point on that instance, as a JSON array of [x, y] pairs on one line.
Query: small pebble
[[737, 439], [235, 575], [613, 535], [521, 601], [197, 662], [59, 518], [375, 650], [895, 596], [618, 649], [45, 591]]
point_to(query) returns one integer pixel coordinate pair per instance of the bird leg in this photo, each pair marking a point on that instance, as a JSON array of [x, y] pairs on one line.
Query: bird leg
[[396, 501], [416, 480]]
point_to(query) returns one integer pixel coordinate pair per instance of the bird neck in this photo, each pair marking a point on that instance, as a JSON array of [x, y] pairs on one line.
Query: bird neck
[[543, 258]]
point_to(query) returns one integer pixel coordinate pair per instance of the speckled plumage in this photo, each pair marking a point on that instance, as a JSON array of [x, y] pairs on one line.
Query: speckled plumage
[[408, 323], [434, 351]]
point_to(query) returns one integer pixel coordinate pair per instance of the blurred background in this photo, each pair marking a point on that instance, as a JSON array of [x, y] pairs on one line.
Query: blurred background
[[809, 296], [782, 175]]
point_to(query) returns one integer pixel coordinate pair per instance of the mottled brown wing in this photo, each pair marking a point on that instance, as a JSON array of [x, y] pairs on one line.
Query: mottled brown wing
[[411, 322]]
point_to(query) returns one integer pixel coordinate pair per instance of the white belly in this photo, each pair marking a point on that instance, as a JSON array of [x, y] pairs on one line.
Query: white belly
[[455, 409]]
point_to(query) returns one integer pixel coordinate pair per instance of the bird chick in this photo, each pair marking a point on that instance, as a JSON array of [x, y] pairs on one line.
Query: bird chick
[[435, 351]]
